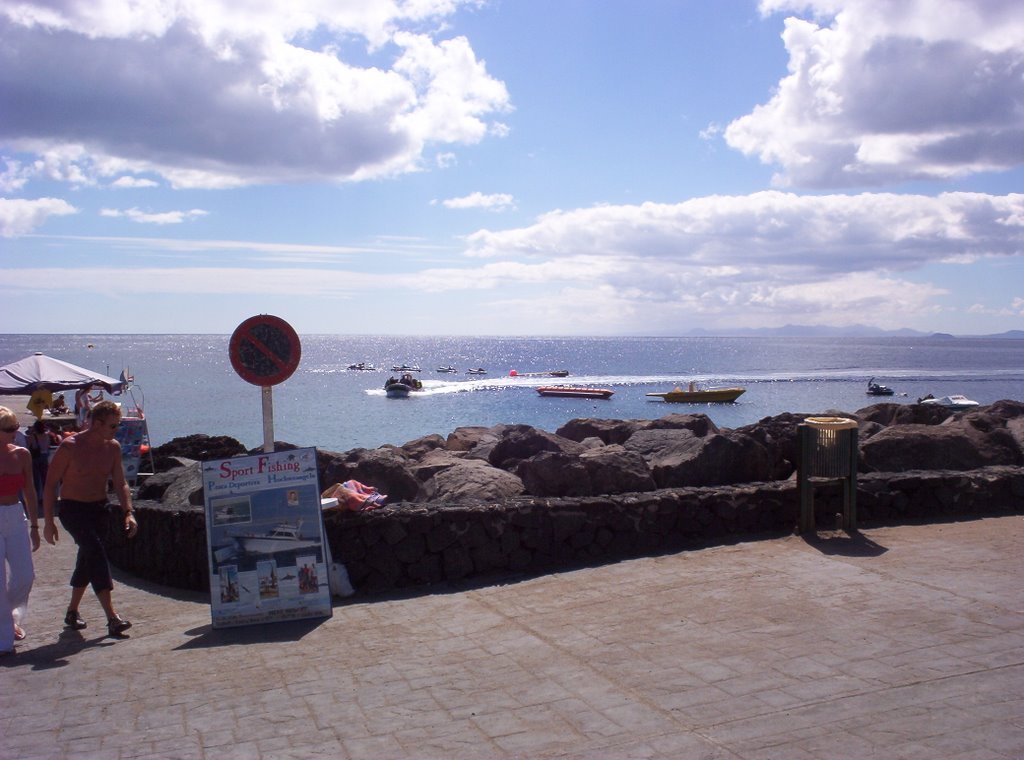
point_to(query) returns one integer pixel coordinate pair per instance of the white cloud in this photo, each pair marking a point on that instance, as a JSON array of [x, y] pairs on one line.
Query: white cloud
[[220, 94], [454, 90], [632, 292], [831, 232], [147, 245], [830, 258], [1015, 309], [148, 217], [493, 201], [133, 182], [20, 216], [710, 132], [295, 281], [766, 258], [883, 91], [858, 293], [14, 176]]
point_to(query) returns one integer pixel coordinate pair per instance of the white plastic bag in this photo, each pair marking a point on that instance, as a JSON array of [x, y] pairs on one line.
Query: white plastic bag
[[338, 582]]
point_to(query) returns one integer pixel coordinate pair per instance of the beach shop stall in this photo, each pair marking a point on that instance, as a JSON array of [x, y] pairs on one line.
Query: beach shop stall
[[37, 375]]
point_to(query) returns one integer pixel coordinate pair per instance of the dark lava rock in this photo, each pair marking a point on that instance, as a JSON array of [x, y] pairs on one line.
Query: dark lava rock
[[199, 447], [904, 414], [900, 448], [519, 442], [472, 480], [679, 457]]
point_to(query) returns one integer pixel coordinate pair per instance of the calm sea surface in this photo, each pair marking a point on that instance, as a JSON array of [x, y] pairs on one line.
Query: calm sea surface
[[188, 385]]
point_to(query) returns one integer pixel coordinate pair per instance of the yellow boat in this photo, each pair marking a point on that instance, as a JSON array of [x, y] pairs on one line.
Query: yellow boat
[[695, 395]]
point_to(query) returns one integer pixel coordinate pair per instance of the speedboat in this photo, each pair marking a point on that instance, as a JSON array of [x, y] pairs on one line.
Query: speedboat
[[549, 373], [404, 368], [476, 371], [695, 395], [283, 537], [571, 391], [874, 389], [362, 366], [401, 387], [449, 368], [955, 402], [397, 390]]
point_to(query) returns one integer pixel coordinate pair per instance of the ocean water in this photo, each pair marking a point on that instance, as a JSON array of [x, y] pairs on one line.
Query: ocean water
[[187, 385]]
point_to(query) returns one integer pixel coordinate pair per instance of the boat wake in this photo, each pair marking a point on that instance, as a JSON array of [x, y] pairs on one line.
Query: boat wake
[[442, 387]]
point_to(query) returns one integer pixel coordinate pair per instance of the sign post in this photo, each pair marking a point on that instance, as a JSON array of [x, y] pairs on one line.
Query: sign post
[[265, 351]]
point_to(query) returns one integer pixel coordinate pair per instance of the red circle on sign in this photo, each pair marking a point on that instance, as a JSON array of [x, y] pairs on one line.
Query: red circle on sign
[[264, 350]]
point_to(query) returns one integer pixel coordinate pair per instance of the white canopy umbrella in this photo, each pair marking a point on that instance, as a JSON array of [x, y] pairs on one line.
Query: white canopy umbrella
[[39, 372]]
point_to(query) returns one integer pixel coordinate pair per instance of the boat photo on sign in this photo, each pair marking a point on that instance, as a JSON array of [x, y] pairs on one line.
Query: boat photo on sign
[[265, 537]]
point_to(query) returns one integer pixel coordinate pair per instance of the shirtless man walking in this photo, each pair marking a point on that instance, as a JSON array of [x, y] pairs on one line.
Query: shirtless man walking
[[81, 468]]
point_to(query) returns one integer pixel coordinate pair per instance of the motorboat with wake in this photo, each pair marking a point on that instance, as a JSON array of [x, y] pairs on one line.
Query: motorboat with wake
[[875, 389], [476, 371], [549, 373], [401, 387], [571, 391], [405, 368], [695, 395], [449, 369]]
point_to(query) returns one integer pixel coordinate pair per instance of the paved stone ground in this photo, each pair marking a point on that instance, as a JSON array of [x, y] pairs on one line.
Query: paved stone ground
[[904, 642]]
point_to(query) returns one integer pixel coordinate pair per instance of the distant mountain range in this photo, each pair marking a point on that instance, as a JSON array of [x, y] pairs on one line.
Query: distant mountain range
[[849, 331]]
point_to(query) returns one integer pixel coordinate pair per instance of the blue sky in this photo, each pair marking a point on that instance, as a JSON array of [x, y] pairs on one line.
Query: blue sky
[[512, 166]]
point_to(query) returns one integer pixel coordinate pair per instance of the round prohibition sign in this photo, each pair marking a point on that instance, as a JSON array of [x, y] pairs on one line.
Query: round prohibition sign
[[264, 350]]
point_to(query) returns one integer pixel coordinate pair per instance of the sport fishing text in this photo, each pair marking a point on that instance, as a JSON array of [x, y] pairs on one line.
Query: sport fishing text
[[262, 466]]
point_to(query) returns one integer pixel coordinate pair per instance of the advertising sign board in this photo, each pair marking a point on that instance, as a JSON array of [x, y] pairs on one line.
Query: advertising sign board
[[265, 539]]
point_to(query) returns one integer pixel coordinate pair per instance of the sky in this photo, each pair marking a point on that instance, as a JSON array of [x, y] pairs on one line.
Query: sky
[[511, 167]]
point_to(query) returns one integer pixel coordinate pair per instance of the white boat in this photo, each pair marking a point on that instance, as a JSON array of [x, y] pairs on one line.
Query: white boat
[[448, 368], [476, 371], [282, 538], [955, 401]]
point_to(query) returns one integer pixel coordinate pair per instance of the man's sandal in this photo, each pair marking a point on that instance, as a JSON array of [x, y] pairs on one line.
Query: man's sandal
[[116, 626], [74, 620]]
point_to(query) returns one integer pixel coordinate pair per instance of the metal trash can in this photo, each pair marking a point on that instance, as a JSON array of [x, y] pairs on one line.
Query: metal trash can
[[828, 453]]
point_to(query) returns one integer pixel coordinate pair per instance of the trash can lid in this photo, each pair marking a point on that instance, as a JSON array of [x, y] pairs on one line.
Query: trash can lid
[[831, 423]]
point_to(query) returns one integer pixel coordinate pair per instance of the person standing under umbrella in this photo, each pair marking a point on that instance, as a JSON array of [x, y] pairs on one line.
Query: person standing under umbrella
[[39, 443]]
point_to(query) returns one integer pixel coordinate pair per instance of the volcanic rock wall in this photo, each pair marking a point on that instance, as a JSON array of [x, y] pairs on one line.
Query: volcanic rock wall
[[408, 545]]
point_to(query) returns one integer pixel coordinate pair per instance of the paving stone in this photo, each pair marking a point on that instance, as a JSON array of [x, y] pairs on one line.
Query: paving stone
[[778, 648]]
